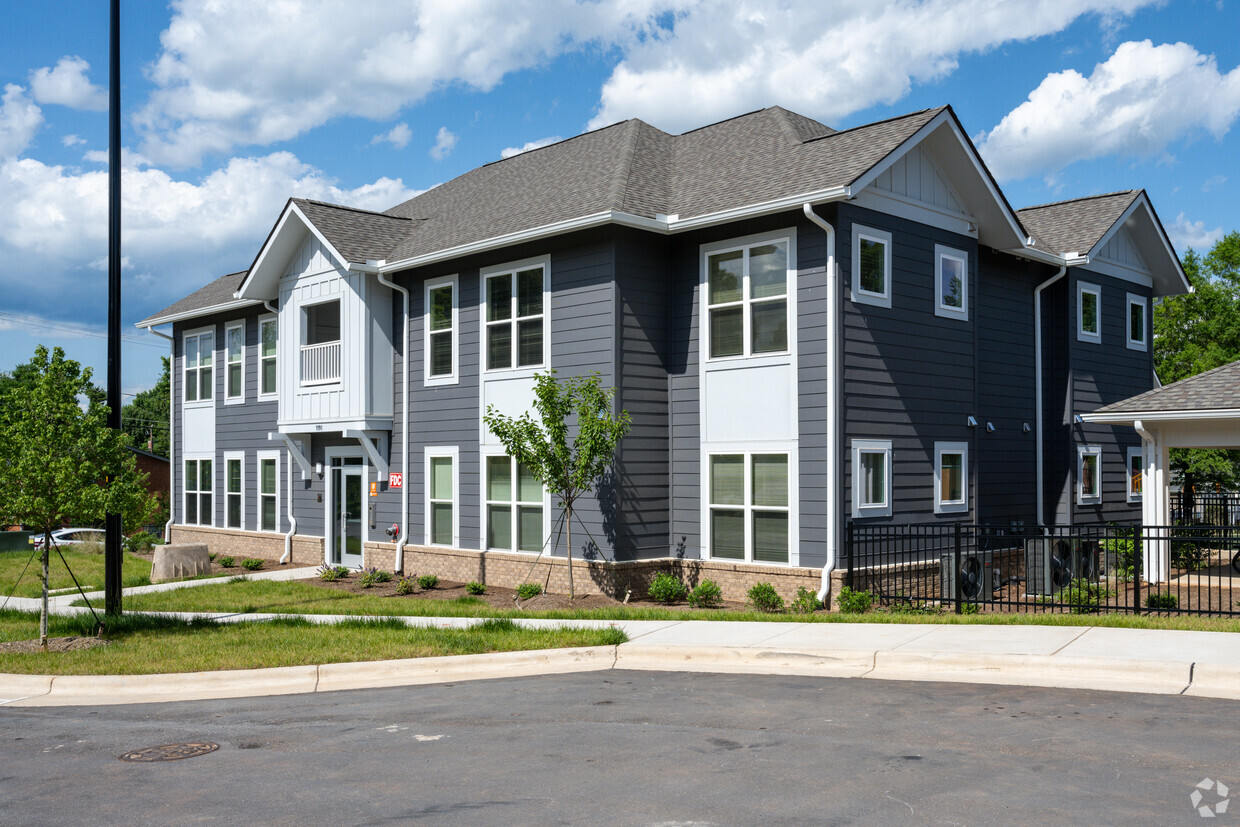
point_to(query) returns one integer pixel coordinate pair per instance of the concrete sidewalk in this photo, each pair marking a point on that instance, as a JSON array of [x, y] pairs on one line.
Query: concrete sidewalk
[[1129, 660]]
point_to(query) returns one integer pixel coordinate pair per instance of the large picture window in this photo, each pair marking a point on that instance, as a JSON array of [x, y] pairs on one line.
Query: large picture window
[[1089, 475], [747, 297], [871, 266], [198, 492], [514, 506], [199, 348], [951, 477], [268, 331], [871, 478], [234, 359], [441, 497], [749, 512], [516, 316], [441, 332]]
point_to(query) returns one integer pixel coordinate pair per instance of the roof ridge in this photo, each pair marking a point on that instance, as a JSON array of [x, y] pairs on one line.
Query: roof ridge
[[1082, 198], [559, 142], [839, 132], [348, 208], [725, 120]]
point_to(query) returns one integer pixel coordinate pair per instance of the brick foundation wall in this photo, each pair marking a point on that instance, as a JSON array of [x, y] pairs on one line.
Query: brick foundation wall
[[231, 542]]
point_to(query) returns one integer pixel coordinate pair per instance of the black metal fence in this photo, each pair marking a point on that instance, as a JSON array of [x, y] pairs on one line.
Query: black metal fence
[[1078, 569], [1215, 509]]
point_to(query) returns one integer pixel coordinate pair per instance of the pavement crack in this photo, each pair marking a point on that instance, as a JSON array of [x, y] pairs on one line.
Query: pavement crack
[[1191, 667]]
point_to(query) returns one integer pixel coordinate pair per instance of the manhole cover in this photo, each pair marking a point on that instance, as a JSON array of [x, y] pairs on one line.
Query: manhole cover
[[169, 752]]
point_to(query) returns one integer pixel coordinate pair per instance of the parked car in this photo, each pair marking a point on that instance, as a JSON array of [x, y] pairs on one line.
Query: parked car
[[71, 537]]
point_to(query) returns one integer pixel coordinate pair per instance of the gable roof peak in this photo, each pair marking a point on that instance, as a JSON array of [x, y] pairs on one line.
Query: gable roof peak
[[1095, 197]]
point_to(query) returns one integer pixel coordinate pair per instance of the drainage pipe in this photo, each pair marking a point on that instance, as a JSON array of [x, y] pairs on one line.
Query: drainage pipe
[[399, 563], [1037, 384], [172, 466], [833, 402]]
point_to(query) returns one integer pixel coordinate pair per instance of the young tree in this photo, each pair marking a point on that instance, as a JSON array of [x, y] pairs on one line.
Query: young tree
[[567, 469], [56, 452], [145, 417]]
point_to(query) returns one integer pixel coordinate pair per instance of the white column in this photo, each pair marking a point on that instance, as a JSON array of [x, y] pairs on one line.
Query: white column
[[1155, 505]]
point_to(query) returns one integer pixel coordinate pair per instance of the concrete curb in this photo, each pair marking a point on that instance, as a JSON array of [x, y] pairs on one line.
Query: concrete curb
[[1214, 680], [754, 661], [417, 671]]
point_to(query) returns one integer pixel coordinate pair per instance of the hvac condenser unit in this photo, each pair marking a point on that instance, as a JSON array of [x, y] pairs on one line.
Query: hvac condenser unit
[[1052, 563], [977, 575]]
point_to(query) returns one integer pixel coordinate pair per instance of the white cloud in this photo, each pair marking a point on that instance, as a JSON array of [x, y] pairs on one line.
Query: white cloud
[[1137, 103], [72, 140], [508, 152], [68, 85], [445, 142], [1213, 182], [1185, 234], [825, 58], [20, 119], [398, 136]]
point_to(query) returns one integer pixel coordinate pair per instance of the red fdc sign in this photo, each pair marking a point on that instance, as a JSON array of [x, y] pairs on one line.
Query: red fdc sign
[[395, 479]]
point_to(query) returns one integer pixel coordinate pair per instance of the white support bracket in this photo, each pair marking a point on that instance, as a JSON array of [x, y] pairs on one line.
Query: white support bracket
[[376, 459], [294, 451]]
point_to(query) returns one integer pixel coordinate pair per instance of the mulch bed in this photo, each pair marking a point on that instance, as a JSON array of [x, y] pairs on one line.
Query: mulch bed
[[54, 644]]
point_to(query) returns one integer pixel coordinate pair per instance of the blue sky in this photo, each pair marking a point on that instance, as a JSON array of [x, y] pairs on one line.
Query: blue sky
[[230, 107]]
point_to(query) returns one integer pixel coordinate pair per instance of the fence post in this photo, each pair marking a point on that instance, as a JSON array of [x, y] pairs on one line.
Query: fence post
[[848, 552], [1138, 558], [956, 578]]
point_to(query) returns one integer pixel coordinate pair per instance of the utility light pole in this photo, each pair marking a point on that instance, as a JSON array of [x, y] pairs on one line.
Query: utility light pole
[[112, 545]]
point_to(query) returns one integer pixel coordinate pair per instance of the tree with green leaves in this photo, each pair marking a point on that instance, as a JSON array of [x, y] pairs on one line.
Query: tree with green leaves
[[568, 468], [1196, 332], [60, 463], [145, 417]]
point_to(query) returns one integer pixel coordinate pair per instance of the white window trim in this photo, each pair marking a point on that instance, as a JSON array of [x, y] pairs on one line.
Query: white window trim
[[789, 238], [485, 454], [240, 398], [341, 452], [451, 452], [1134, 451], [514, 267], [942, 506], [1143, 303], [747, 450], [231, 456], [275, 392], [304, 333], [1081, 334], [860, 296], [870, 446], [258, 491], [453, 377], [185, 368], [185, 492], [1083, 451], [945, 310]]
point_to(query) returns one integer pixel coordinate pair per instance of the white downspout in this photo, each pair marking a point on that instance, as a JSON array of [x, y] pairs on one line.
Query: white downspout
[[288, 462], [1037, 383], [172, 451], [833, 402], [399, 564]]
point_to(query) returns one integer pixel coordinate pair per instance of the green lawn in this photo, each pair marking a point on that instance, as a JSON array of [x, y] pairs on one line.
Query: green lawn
[[86, 566], [292, 597], [142, 644]]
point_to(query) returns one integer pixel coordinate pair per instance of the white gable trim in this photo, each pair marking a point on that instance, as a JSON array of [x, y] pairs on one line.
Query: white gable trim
[[264, 277], [1141, 202]]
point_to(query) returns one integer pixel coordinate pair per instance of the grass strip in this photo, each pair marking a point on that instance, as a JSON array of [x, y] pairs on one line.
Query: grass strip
[[88, 567], [144, 644], [292, 597]]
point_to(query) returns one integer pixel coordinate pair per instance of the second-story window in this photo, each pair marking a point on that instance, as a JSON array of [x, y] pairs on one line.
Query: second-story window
[[441, 331], [1088, 312], [951, 271], [234, 357], [515, 317], [1136, 322], [199, 348], [747, 300], [320, 347], [268, 331]]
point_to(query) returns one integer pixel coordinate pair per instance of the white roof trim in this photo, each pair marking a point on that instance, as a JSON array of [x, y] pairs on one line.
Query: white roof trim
[[1162, 416], [261, 262], [1142, 200], [194, 314]]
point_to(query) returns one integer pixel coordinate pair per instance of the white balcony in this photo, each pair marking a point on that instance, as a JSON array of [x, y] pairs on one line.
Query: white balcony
[[320, 364]]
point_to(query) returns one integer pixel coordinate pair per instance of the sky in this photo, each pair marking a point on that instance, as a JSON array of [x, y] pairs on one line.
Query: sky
[[230, 107]]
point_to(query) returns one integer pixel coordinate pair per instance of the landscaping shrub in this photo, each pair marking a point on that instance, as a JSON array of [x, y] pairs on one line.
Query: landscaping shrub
[[527, 590], [1082, 596], [142, 541], [806, 602], [1122, 551], [373, 575], [854, 602], [474, 587], [428, 581], [764, 598], [406, 585], [330, 573], [1158, 600], [666, 588], [1189, 550], [211, 556], [227, 562], [706, 595], [251, 564]]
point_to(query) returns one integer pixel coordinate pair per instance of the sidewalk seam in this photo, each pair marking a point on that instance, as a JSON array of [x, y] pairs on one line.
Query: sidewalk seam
[[1191, 667], [1084, 631]]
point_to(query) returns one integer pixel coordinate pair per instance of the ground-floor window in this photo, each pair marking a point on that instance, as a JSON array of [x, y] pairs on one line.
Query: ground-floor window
[[1089, 475], [441, 497], [514, 506], [234, 485], [268, 491], [749, 513], [1136, 460], [871, 469], [198, 492], [951, 477]]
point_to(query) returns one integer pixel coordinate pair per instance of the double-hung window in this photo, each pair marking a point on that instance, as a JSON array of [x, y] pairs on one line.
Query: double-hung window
[[749, 513], [1136, 322], [234, 486], [951, 477], [747, 292], [441, 331], [234, 363], [268, 491], [514, 506], [441, 496], [197, 484], [951, 278], [1089, 475], [871, 478], [268, 331], [1136, 462], [198, 351], [515, 300], [871, 266], [1088, 312]]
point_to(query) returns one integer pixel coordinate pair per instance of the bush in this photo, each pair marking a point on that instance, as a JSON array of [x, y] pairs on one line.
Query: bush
[[140, 542], [211, 556], [527, 590], [807, 602], [1082, 596], [666, 588], [251, 564], [1122, 552], [372, 575], [406, 585], [854, 602], [330, 573], [706, 595], [474, 587], [1158, 600], [1189, 550], [764, 598], [428, 581], [227, 562]]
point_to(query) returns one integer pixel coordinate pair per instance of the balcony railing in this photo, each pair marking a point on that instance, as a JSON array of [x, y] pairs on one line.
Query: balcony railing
[[320, 364]]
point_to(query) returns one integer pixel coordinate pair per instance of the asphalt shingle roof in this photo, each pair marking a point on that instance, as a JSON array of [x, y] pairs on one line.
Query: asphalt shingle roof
[[1217, 389], [1077, 225], [358, 235], [214, 294]]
